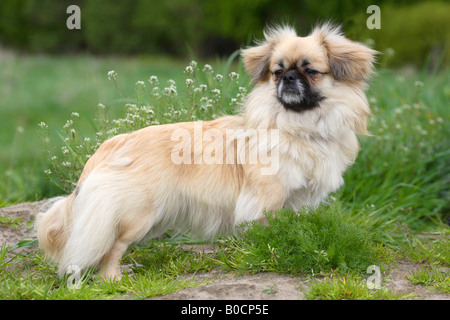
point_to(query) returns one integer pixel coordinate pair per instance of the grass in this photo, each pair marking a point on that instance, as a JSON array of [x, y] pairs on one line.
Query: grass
[[431, 277], [397, 190], [304, 242], [31, 277], [350, 288]]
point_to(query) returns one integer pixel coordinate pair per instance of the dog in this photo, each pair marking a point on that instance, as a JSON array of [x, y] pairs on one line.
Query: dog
[[307, 91]]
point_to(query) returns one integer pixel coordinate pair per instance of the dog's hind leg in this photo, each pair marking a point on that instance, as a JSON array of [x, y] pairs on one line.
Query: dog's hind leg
[[110, 263], [132, 229]]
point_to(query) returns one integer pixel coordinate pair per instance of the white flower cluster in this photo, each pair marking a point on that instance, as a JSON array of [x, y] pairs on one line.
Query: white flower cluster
[[112, 75]]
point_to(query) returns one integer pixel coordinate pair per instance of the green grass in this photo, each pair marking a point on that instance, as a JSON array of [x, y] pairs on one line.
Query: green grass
[[432, 277], [31, 277], [305, 242], [350, 288], [398, 187]]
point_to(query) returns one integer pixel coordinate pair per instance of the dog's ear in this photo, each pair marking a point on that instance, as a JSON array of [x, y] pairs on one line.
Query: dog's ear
[[348, 60], [257, 58], [257, 61]]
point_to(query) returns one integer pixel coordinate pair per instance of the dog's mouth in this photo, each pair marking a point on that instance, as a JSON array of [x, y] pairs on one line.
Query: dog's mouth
[[295, 93], [298, 98]]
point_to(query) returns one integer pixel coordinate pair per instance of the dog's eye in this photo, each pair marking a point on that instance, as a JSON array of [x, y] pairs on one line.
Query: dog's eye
[[278, 73], [311, 72]]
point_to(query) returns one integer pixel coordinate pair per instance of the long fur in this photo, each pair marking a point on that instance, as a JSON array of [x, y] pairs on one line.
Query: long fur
[[131, 190]]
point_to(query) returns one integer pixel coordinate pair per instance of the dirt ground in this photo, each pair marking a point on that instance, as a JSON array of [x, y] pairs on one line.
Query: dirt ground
[[225, 286]]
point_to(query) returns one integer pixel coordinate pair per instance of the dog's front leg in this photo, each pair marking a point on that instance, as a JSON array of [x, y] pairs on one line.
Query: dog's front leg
[[258, 197]]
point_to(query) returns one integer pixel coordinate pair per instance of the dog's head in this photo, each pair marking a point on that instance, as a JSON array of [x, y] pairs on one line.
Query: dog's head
[[304, 70]]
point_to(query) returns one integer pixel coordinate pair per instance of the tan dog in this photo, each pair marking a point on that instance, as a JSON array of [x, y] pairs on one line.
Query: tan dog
[[299, 122]]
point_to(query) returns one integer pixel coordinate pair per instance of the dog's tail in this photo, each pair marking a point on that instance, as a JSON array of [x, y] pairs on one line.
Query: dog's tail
[[78, 231], [93, 232], [52, 226]]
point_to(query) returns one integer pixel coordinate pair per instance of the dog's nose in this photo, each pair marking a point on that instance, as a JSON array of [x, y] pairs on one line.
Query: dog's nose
[[291, 76]]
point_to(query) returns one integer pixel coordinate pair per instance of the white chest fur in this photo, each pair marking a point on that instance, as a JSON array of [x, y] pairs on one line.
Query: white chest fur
[[312, 168]]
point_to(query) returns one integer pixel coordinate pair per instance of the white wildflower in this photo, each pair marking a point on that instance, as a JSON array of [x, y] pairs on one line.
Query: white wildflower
[[131, 107], [418, 84], [234, 76], [156, 92], [170, 91], [75, 114], [112, 131], [189, 82], [140, 84], [207, 68], [43, 125], [189, 70], [218, 77], [112, 75], [68, 123], [153, 80]]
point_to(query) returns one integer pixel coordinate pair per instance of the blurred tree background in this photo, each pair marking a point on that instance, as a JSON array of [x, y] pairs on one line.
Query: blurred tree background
[[416, 31]]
